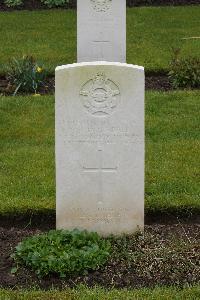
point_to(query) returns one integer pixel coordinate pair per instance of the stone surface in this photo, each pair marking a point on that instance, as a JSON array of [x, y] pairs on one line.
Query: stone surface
[[101, 30], [100, 147]]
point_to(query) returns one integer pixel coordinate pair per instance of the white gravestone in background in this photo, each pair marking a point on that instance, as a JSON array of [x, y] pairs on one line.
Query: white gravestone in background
[[101, 30], [100, 147]]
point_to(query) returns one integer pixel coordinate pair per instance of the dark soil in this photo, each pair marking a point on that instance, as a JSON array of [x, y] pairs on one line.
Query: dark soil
[[132, 3], [165, 255], [46, 219], [153, 82], [47, 88], [158, 82], [36, 4]]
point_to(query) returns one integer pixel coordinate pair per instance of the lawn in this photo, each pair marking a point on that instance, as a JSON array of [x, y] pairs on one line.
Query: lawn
[[50, 36], [27, 172], [27, 160], [82, 293]]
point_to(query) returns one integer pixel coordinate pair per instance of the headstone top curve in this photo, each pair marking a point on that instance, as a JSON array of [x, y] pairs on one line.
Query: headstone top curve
[[98, 63]]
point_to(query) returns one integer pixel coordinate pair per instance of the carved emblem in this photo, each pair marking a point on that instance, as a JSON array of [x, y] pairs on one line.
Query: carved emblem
[[101, 5], [100, 95]]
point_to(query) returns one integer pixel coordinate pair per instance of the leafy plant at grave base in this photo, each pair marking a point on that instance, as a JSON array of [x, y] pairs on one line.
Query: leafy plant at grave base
[[25, 75], [62, 252], [184, 72], [13, 3], [55, 3]]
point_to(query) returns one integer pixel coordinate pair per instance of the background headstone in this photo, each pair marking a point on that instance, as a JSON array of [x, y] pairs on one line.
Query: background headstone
[[100, 147], [101, 30]]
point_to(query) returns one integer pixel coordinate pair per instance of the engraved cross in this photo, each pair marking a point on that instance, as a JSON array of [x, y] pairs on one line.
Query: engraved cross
[[100, 42], [100, 48], [100, 169]]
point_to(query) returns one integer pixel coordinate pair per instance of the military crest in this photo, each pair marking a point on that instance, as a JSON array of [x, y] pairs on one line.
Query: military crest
[[100, 95], [101, 5]]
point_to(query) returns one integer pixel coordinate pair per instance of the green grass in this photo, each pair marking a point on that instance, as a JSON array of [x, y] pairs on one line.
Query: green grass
[[83, 293], [172, 150], [51, 35], [27, 153], [27, 175]]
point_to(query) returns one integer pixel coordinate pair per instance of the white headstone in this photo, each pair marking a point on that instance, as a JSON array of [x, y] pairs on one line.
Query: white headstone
[[101, 30], [100, 147]]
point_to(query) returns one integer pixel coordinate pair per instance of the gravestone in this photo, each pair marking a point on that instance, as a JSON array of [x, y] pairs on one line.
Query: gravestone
[[100, 147], [101, 30]]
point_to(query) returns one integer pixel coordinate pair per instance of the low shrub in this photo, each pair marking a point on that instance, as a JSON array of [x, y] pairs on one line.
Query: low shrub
[[62, 252], [55, 3], [13, 3], [25, 75], [184, 72], [48, 3]]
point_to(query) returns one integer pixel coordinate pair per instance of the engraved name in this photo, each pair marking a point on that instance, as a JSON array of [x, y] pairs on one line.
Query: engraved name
[[105, 131]]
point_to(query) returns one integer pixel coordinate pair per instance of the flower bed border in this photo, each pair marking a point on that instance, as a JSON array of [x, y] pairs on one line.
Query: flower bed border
[[37, 5]]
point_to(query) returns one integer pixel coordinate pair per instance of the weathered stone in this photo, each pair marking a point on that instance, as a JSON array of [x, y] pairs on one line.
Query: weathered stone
[[100, 147], [101, 30]]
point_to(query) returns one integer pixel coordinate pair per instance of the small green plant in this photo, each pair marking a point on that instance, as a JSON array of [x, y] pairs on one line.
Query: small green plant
[[55, 3], [13, 3], [25, 75], [62, 252], [184, 72]]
